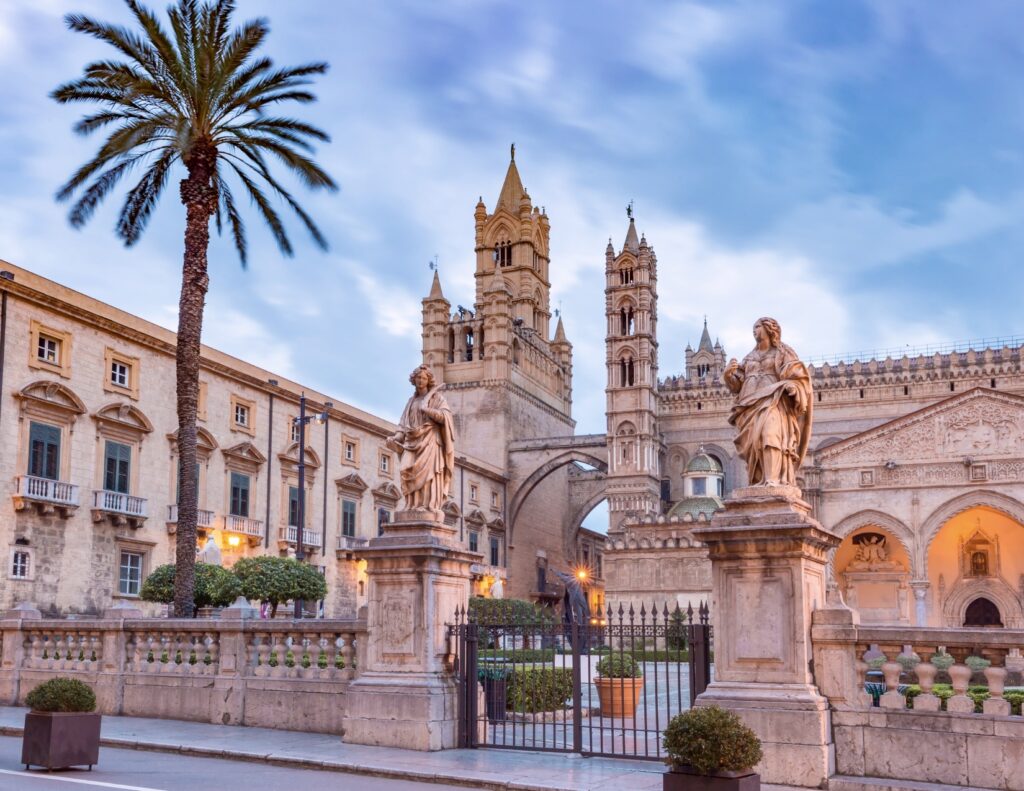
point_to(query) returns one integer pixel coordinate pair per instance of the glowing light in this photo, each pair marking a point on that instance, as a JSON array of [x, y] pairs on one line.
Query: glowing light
[[581, 574], [234, 541]]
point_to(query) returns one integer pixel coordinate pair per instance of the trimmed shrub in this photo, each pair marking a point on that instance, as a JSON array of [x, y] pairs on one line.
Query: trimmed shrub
[[976, 663], [518, 654], [62, 694], [507, 612], [618, 666], [491, 672], [943, 661], [710, 739], [276, 580], [649, 655], [539, 689], [675, 633], [215, 586]]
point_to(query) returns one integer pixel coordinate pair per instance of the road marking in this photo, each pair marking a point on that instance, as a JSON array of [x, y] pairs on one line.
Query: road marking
[[97, 783]]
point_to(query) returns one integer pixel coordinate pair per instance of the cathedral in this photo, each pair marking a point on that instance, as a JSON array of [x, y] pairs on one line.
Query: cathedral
[[916, 460]]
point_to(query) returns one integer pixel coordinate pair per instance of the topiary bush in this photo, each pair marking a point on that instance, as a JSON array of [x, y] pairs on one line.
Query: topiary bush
[[518, 654], [709, 740], [539, 689], [215, 586], [618, 666], [276, 580], [507, 612], [62, 694]]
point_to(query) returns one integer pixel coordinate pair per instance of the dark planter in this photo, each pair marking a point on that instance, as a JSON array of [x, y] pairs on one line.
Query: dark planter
[[56, 739], [683, 778], [496, 697]]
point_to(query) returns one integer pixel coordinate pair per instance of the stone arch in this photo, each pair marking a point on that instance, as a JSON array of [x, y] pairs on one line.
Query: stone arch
[[895, 527], [996, 590], [499, 230], [986, 498], [125, 416], [584, 511], [542, 472]]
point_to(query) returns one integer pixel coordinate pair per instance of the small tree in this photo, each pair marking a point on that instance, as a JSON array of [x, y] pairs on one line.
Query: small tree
[[215, 586], [276, 580]]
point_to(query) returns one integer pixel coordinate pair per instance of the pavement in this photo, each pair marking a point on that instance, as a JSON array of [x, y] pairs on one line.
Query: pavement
[[511, 770]]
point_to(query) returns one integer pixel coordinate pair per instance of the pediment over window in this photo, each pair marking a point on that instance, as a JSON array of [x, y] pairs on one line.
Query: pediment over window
[[451, 509], [205, 441], [244, 454], [54, 397], [388, 492], [123, 418], [476, 517], [290, 457], [351, 483], [496, 524]]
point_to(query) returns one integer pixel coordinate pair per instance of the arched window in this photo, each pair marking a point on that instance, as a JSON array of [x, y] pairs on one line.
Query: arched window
[[451, 346], [515, 352], [503, 252], [626, 326], [982, 612], [626, 377], [626, 276], [469, 344], [703, 369]]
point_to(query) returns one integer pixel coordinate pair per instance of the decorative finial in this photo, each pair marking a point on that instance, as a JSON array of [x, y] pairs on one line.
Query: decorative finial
[[629, 211], [705, 319], [513, 152], [433, 264]]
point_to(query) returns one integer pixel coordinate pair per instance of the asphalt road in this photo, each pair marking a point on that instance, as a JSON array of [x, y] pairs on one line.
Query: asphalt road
[[136, 770]]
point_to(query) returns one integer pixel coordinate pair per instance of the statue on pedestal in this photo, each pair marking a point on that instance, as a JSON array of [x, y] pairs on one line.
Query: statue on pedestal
[[425, 441], [773, 410]]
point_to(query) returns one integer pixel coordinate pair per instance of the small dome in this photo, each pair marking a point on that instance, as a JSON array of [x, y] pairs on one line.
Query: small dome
[[695, 506], [703, 463]]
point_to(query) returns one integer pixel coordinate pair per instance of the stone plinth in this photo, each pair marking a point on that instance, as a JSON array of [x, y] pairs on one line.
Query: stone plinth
[[768, 560], [404, 695]]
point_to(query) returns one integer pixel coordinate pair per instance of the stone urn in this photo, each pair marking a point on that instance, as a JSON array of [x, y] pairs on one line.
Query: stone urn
[[686, 778]]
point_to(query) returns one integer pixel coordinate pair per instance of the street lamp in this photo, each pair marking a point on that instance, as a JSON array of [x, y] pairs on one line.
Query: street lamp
[[301, 421]]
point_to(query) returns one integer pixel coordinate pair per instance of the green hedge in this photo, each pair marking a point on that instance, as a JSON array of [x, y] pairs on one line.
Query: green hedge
[[539, 689], [507, 612], [518, 654]]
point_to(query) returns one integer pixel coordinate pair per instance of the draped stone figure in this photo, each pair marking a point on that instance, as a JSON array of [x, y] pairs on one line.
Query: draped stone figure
[[425, 440], [773, 410]]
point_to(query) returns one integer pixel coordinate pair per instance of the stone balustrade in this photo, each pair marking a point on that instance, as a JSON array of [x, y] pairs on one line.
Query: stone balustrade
[[231, 670]]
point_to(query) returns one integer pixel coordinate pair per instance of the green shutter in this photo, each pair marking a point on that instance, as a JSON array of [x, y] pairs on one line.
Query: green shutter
[[239, 494], [44, 451], [117, 467]]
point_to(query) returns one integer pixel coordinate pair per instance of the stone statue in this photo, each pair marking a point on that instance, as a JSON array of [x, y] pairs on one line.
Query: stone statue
[[871, 550], [773, 410], [425, 441]]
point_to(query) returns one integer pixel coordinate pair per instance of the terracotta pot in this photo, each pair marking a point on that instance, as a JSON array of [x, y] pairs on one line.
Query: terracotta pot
[[683, 778], [619, 696], [56, 739]]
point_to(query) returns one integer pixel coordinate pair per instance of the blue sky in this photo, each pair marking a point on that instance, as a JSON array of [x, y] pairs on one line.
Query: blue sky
[[852, 168]]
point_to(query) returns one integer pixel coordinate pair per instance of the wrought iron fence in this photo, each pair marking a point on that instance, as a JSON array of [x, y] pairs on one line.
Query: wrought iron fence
[[608, 687]]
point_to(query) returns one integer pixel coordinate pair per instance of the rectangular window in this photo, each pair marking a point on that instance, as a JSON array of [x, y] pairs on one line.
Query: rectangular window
[[350, 451], [495, 552], [586, 556], [348, 518], [383, 518], [117, 467], [293, 506], [600, 571], [474, 492], [385, 463], [20, 565], [44, 451], [239, 494], [494, 500], [130, 578], [242, 415], [700, 487], [474, 541], [48, 350], [120, 374], [294, 423]]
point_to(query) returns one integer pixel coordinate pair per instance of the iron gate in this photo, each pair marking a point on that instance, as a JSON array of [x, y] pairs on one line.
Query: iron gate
[[546, 686]]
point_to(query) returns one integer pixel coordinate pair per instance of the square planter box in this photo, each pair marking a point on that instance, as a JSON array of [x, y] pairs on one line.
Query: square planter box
[[55, 739], [685, 779]]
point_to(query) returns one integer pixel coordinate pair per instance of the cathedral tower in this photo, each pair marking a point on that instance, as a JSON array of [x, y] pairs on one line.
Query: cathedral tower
[[631, 308]]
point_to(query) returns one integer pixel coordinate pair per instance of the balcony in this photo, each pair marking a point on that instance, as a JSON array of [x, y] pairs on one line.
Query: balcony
[[46, 495], [289, 535], [204, 522], [250, 528], [119, 508], [348, 545]]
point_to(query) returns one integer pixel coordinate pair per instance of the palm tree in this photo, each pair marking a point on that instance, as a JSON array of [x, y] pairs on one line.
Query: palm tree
[[200, 96]]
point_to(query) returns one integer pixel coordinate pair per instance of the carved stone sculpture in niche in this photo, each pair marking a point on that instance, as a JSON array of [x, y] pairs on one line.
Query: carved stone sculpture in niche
[[979, 554], [871, 553]]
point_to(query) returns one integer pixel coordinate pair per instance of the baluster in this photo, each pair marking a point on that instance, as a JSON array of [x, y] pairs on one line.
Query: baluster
[[960, 676], [212, 640], [152, 658], [891, 669], [166, 658], [314, 656], [261, 642], [133, 652], [28, 645], [60, 651], [279, 651], [995, 675], [182, 650], [861, 668], [331, 656], [347, 657], [95, 650], [927, 700], [71, 650]]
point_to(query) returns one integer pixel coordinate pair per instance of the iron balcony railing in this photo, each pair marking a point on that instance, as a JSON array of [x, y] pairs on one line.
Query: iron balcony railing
[[310, 538], [45, 490], [244, 525], [204, 520], [119, 503]]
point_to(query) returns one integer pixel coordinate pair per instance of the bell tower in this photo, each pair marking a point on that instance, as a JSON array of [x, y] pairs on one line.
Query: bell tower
[[631, 309]]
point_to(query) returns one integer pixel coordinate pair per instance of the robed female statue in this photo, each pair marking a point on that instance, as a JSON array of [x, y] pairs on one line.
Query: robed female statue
[[773, 410], [425, 441]]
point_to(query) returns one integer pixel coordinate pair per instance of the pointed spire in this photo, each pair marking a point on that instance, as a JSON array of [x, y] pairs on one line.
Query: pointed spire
[[705, 338], [632, 243], [435, 288], [560, 332], [512, 191]]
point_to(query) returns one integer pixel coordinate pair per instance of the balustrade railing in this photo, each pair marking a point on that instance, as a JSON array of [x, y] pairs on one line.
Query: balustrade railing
[[280, 651], [204, 520], [244, 525], [290, 533], [119, 503], [63, 648], [45, 490], [192, 650]]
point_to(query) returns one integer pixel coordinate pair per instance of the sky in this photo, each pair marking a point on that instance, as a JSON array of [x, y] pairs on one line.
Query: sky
[[854, 169]]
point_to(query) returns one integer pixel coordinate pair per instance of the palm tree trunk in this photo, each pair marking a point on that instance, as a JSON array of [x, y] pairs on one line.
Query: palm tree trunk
[[200, 200]]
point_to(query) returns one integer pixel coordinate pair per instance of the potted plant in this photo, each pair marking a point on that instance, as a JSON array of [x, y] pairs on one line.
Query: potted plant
[[620, 683], [710, 749], [62, 729], [495, 681]]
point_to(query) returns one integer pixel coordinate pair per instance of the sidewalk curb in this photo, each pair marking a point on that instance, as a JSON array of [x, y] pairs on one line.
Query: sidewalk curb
[[310, 763]]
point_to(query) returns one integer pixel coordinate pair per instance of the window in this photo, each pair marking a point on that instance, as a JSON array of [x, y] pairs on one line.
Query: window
[[119, 374], [474, 492], [348, 518], [495, 552], [48, 350], [503, 253], [703, 370], [599, 565], [625, 276], [495, 503], [239, 494], [293, 506], [295, 428], [20, 564], [586, 556], [350, 451], [700, 487], [542, 579], [383, 518], [130, 577], [385, 463], [241, 415], [474, 541], [122, 375], [44, 451], [117, 467]]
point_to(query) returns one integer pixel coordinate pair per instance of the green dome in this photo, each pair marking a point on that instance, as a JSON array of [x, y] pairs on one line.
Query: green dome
[[695, 506], [703, 463]]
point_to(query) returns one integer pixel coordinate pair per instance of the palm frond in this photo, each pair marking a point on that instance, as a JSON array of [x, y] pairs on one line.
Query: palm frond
[[140, 202]]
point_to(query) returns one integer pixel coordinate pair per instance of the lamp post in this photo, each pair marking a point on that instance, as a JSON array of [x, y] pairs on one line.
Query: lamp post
[[301, 421]]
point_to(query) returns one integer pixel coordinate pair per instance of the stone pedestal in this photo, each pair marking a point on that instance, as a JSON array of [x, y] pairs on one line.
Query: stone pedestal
[[404, 696], [768, 561]]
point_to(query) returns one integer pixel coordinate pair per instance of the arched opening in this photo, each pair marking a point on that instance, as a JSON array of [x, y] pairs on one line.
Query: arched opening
[[469, 344], [872, 567], [451, 345], [982, 612]]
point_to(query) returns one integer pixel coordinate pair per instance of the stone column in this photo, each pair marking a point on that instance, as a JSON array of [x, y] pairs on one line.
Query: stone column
[[404, 696], [768, 560], [920, 588]]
